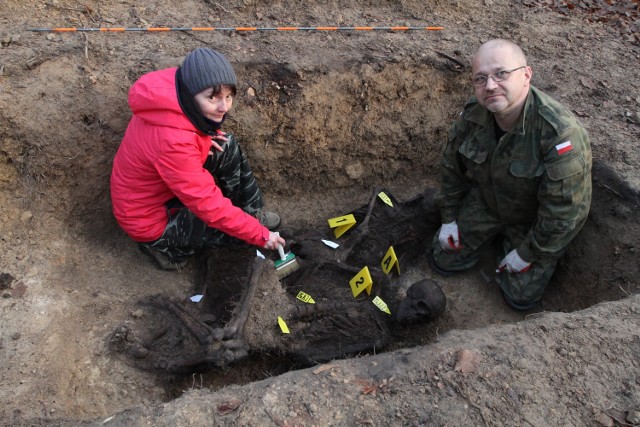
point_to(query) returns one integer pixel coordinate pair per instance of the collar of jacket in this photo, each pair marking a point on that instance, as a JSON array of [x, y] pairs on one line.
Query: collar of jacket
[[480, 115], [191, 110]]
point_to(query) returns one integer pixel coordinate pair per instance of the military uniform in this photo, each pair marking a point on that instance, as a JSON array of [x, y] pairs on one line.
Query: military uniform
[[531, 186]]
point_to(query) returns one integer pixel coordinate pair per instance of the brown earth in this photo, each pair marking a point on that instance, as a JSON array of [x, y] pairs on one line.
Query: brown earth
[[324, 117]]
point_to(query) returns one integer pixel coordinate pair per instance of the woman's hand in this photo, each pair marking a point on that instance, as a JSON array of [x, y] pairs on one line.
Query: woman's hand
[[219, 137], [274, 241]]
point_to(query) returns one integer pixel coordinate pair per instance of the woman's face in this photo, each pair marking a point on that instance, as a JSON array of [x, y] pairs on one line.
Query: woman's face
[[215, 105]]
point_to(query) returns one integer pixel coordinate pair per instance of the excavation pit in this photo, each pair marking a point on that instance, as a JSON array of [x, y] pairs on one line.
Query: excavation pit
[[325, 118], [208, 345], [338, 132]]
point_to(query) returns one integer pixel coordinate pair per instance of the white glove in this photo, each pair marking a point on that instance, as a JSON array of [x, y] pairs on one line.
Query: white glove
[[513, 263], [449, 237]]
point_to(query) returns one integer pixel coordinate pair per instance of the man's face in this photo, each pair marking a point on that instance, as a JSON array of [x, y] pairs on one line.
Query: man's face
[[214, 107], [505, 96]]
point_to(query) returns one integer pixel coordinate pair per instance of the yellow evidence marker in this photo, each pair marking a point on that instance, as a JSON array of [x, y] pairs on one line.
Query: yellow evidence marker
[[361, 281], [283, 325], [381, 305], [389, 260], [342, 224], [383, 196], [305, 298]]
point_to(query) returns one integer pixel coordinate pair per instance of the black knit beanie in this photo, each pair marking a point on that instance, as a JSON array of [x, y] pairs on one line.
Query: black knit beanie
[[203, 68]]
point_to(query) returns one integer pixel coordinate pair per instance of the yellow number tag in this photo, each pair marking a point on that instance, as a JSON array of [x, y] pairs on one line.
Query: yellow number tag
[[341, 224], [381, 305], [390, 259], [360, 282], [383, 196], [283, 325], [305, 298]]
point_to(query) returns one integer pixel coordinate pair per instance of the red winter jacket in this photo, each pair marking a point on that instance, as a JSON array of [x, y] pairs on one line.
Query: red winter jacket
[[161, 157]]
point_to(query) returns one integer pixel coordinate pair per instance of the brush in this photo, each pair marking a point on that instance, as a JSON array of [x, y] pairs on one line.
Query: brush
[[287, 264]]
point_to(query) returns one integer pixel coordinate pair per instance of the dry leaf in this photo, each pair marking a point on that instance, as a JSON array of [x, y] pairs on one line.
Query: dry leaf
[[587, 82], [467, 361], [228, 406], [18, 290], [322, 368], [604, 420], [369, 389]]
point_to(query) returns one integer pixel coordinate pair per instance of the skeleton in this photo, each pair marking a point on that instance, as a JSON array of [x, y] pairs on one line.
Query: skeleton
[[337, 325]]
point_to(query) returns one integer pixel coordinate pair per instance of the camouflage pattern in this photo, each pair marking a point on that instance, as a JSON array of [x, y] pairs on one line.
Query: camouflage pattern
[[185, 233], [520, 187], [232, 173]]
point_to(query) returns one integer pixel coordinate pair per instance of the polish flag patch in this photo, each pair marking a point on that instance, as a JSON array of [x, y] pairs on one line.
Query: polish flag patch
[[564, 147]]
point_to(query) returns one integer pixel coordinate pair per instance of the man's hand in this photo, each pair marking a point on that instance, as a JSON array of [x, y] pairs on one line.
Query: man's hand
[[274, 241], [449, 237], [513, 263]]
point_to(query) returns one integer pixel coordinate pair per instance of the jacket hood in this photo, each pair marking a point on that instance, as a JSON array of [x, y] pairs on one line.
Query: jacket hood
[[154, 99]]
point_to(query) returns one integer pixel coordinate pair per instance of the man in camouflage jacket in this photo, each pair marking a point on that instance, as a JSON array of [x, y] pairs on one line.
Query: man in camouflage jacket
[[516, 167]]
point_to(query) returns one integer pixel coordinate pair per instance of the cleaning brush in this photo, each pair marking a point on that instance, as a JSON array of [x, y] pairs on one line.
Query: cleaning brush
[[287, 264]]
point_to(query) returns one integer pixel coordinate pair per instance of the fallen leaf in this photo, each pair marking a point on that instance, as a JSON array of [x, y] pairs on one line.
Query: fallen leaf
[[604, 420], [321, 369], [369, 390], [228, 406], [634, 118], [587, 82], [370, 387], [467, 361], [18, 290]]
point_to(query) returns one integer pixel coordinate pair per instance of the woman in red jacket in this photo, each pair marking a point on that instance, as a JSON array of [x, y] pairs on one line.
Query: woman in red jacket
[[179, 184]]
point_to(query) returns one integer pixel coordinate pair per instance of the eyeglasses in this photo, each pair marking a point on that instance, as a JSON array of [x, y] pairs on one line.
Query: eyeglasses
[[500, 76]]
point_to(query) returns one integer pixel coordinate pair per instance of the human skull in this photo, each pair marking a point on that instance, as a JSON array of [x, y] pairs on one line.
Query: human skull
[[424, 301]]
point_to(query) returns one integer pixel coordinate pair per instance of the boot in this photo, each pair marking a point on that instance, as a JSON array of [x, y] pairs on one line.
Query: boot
[[271, 220], [161, 260]]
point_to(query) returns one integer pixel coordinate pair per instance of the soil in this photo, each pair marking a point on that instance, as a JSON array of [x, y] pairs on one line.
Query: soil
[[324, 117]]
